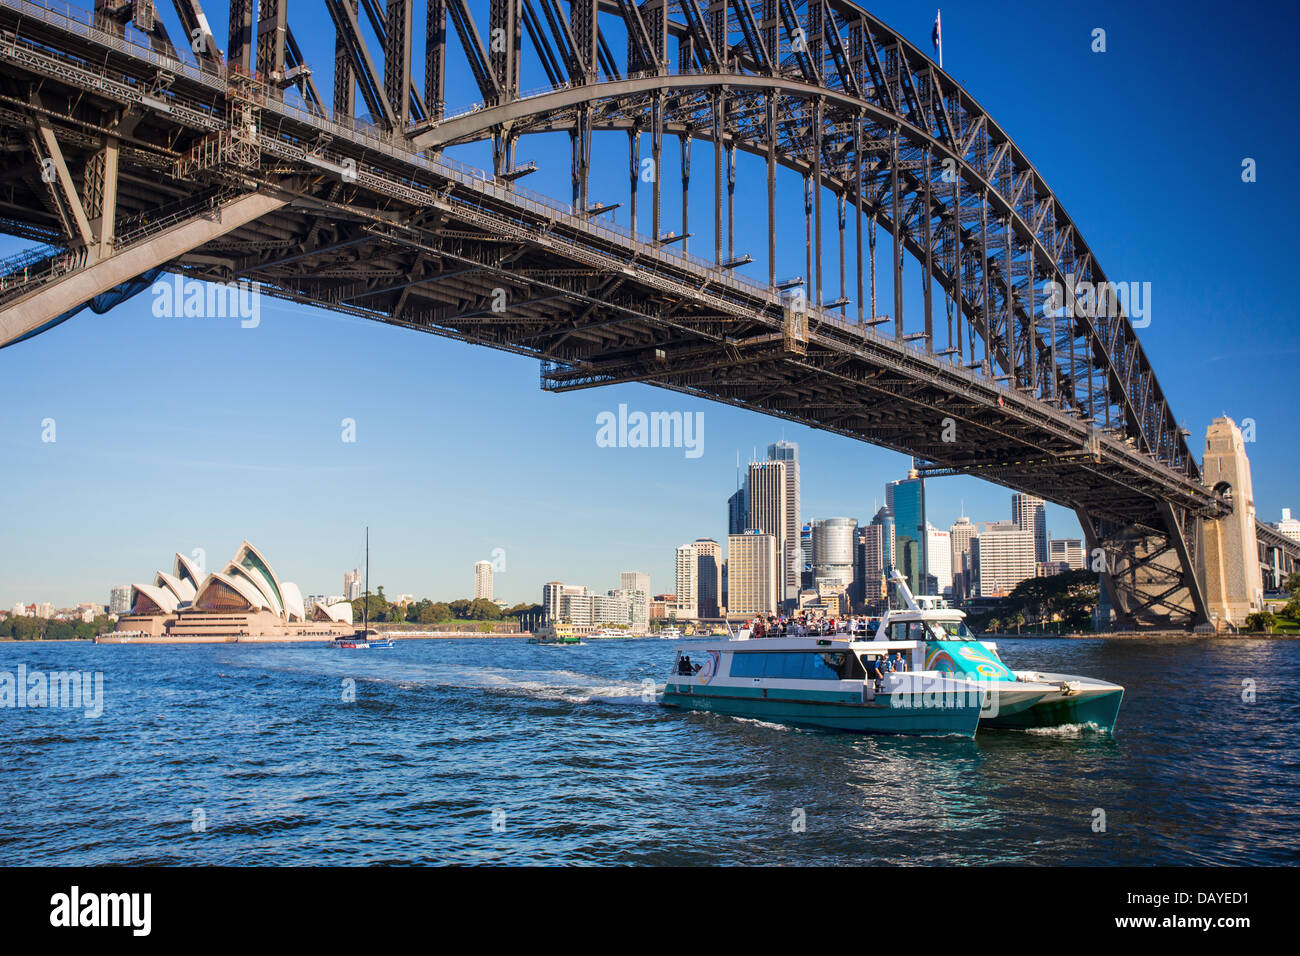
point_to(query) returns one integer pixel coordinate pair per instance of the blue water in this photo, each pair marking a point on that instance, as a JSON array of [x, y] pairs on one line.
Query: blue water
[[556, 746]]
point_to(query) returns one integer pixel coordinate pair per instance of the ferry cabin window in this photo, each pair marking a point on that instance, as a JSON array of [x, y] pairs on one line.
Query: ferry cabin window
[[793, 665], [907, 631], [951, 631]]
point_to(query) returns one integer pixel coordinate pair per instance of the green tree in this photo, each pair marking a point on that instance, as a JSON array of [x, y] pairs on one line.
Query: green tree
[[1261, 621], [994, 625], [1020, 620], [460, 608]]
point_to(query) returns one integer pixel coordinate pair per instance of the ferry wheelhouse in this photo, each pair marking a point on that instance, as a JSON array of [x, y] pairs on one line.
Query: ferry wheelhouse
[[924, 672]]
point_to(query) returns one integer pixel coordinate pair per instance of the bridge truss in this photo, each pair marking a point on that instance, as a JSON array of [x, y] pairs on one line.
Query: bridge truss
[[127, 157]]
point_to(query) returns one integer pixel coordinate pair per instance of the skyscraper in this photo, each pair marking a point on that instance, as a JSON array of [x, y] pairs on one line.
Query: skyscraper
[[752, 575], [938, 554], [1030, 514], [737, 511], [788, 452], [832, 540], [806, 556], [768, 513], [959, 538], [483, 580], [708, 563], [688, 577], [906, 499], [1002, 555]]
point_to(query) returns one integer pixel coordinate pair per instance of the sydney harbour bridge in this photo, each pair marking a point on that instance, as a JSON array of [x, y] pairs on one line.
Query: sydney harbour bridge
[[132, 150]]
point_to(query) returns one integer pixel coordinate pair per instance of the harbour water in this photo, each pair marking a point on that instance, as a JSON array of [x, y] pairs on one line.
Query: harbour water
[[490, 751]]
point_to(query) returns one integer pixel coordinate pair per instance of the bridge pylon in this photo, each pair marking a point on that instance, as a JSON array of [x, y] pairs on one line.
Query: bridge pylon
[[1229, 568]]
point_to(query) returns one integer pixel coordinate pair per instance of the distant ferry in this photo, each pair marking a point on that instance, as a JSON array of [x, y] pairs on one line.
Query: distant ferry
[[949, 682], [558, 633], [670, 633]]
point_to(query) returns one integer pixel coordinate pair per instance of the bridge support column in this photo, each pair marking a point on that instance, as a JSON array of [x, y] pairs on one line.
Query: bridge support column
[[1229, 561]]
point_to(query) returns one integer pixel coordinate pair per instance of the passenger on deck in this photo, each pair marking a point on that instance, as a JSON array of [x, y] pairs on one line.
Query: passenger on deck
[[898, 664], [684, 665]]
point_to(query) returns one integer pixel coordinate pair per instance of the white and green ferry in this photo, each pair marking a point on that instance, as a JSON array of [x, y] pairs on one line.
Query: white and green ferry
[[952, 683]]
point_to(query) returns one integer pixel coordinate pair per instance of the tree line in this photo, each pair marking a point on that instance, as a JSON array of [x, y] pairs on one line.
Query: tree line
[[21, 628], [426, 611]]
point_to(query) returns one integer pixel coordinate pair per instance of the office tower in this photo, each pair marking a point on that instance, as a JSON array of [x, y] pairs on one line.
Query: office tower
[[832, 559], [938, 550], [737, 511], [688, 578], [960, 536], [906, 499], [1030, 514], [806, 556], [753, 575], [1002, 555], [708, 577], [635, 581], [483, 580], [768, 514], [787, 452], [119, 601], [1068, 551]]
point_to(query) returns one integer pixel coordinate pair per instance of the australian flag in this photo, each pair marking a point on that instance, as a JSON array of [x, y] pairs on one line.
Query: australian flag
[[936, 35]]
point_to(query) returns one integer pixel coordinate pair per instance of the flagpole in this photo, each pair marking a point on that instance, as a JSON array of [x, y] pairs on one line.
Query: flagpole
[[939, 27]]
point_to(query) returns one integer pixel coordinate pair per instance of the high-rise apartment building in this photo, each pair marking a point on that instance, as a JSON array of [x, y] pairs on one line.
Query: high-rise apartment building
[[787, 452], [753, 575], [769, 514], [688, 583], [483, 580], [635, 581], [119, 601], [1030, 514], [352, 584], [708, 577]]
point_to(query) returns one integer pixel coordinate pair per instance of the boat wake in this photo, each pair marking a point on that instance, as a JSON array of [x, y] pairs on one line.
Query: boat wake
[[1068, 730]]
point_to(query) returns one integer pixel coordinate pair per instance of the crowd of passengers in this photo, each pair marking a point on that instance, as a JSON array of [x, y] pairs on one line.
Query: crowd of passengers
[[806, 625]]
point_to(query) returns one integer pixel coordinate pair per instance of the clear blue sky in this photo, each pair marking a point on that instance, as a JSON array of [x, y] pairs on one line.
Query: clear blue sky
[[176, 434]]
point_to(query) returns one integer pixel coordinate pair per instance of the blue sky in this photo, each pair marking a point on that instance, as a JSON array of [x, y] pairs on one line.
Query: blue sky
[[176, 434]]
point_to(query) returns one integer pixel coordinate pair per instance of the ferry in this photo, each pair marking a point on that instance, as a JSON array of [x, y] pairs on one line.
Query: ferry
[[670, 633], [951, 683], [558, 633]]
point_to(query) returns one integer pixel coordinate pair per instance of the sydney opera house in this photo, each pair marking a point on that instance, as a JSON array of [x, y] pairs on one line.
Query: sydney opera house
[[243, 601]]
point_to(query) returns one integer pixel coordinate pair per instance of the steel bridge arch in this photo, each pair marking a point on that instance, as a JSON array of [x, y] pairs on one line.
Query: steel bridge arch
[[1129, 380]]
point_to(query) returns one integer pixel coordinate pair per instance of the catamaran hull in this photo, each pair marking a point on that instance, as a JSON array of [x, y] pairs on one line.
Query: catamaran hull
[[1096, 708], [1065, 700], [876, 717]]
